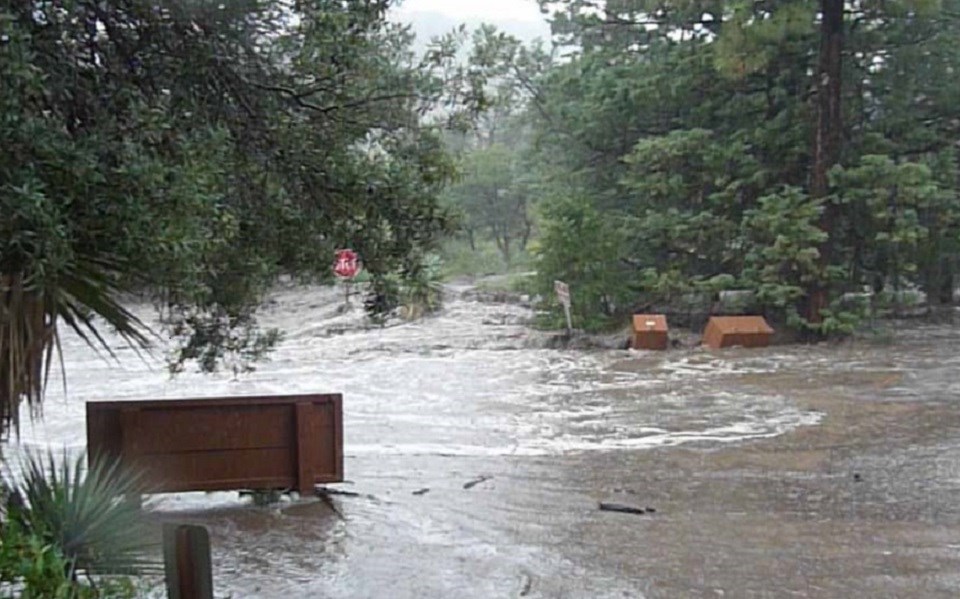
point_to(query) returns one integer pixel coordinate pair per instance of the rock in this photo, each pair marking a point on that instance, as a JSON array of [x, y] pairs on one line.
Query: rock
[[579, 340]]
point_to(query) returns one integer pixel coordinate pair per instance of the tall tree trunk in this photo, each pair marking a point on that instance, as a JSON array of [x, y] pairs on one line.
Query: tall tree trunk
[[505, 249], [828, 140], [470, 239], [525, 235], [932, 268], [947, 280], [502, 237]]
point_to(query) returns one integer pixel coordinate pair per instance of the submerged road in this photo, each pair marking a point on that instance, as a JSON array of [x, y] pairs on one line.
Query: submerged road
[[479, 460]]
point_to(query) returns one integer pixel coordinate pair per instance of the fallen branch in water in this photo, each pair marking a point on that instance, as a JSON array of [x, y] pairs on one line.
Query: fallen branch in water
[[625, 509], [320, 491], [476, 481]]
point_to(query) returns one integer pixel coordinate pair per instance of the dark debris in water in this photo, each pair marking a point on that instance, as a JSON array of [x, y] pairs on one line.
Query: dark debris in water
[[473, 483], [326, 491], [626, 509]]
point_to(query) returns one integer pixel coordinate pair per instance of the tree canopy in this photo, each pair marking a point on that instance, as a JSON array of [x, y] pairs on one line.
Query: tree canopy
[[796, 149], [193, 151]]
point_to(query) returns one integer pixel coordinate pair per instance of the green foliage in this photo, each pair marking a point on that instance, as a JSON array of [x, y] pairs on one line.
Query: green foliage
[[415, 292], [685, 191], [495, 192], [421, 288], [696, 133], [382, 298], [494, 200], [460, 260], [32, 569], [192, 153], [886, 202], [38, 570], [580, 247], [749, 43], [211, 339], [783, 238], [524, 283], [839, 323], [82, 513]]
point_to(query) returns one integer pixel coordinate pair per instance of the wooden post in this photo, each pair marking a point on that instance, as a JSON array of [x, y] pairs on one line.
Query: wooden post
[[186, 562], [563, 294]]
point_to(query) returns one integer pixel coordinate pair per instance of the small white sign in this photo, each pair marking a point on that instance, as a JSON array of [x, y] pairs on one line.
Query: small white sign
[[563, 292]]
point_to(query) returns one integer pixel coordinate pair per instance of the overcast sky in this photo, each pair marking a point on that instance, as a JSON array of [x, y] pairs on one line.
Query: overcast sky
[[487, 10], [431, 18]]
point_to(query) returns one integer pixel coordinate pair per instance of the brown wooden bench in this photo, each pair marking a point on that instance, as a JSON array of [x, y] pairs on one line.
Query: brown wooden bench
[[743, 331], [221, 444], [650, 331]]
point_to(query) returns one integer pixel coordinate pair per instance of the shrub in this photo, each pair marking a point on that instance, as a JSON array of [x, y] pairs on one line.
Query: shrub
[[83, 514]]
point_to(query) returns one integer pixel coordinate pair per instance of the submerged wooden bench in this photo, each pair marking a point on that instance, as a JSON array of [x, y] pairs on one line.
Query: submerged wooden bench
[[650, 331], [222, 444], [743, 331]]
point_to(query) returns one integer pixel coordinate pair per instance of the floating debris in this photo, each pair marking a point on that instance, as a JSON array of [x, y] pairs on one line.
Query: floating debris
[[625, 509], [473, 483]]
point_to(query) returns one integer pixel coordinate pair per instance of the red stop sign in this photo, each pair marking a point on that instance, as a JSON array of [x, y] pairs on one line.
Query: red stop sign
[[347, 264]]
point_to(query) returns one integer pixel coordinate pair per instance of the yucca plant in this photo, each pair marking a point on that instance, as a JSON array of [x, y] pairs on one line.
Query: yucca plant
[[85, 513], [421, 292]]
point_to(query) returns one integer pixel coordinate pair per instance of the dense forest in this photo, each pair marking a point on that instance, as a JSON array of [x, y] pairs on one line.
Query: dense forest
[[804, 152]]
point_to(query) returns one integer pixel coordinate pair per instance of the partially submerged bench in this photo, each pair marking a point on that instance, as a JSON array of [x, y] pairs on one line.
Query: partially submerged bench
[[743, 331], [223, 444], [650, 331]]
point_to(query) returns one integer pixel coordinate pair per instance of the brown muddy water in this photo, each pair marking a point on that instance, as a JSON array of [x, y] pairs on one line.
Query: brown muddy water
[[480, 460]]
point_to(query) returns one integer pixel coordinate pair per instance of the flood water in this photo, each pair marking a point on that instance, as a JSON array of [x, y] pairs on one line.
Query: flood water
[[479, 460]]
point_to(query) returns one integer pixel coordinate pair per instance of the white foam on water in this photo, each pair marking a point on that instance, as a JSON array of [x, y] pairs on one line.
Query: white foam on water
[[447, 385]]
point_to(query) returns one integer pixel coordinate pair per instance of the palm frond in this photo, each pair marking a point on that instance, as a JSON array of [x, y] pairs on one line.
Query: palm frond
[[91, 287], [84, 296], [26, 335]]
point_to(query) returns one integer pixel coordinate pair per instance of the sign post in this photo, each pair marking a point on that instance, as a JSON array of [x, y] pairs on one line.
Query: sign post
[[346, 266], [563, 294]]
